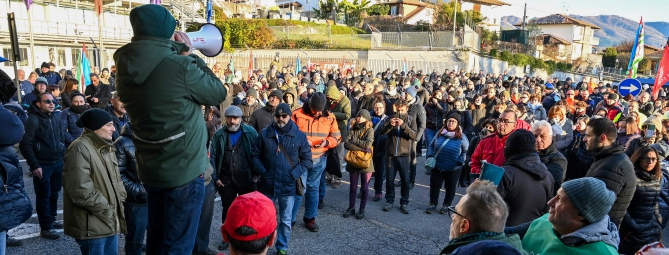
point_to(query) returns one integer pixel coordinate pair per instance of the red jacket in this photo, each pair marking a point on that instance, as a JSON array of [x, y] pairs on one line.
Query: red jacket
[[490, 149], [521, 124]]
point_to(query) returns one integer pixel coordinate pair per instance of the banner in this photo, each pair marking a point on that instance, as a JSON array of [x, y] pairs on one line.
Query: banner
[[662, 72], [250, 66], [327, 66], [83, 69]]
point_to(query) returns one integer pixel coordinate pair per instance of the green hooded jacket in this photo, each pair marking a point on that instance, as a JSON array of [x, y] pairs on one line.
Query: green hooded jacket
[[340, 108], [162, 93]]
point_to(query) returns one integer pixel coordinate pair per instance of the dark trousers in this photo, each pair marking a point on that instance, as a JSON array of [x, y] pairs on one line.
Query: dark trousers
[[204, 227], [46, 194], [413, 161], [353, 188], [449, 180], [175, 214], [379, 173], [228, 194], [465, 178], [397, 165], [136, 221]]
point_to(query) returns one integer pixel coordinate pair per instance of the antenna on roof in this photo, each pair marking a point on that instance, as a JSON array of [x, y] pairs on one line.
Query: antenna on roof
[[565, 7]]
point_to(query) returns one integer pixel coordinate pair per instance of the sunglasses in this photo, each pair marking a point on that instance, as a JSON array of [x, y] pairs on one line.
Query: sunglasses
[[282, 116], [49, 101]]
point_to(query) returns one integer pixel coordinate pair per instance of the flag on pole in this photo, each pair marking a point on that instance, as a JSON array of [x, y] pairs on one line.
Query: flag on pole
[[250, 65], [343, 65], [28, 3], [298, 65], [98, 7], [209, 11], [404, 66], [662, 72], [83, 69], [637, 51]]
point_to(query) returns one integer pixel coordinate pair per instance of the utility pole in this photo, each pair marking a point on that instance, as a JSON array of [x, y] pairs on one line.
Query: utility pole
[[455, 20], [524, 17]]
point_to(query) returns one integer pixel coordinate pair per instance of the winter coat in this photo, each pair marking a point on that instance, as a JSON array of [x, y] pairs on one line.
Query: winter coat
[[511, 240], [360, 138], [379, 139], [93, 192], [278, 177], [599, 238], [118, 122], [635, 144], [452, 156], [582, 159], [417, 112], [615, 169], [69, 128], [478, 116], [127, 167], [399, 139], [647, 109], [538, 112], [15, 206], [262, 117], [51, 77], [317, 129], [550, 100], [366, 102], [642, 222], [490, 105], [240, 171], [491, 149], [296, 102], [556, 163], [163, 93], [434, 115], [526, 187], [663, 203], [341, 109], [247, 111], [29, 98], [563, 140], [42, 143], [102, 92], [626, 139]]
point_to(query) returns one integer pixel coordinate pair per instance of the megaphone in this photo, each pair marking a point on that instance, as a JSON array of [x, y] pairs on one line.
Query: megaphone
[[208, 40]]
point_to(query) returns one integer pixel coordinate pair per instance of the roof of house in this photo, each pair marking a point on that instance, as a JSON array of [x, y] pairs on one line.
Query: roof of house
[[413, 13], [560, 19], [549, 37], [409, 2], [627, 47], [487, 2]]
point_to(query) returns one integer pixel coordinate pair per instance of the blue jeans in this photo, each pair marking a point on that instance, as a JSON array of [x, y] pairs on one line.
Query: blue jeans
[[315, 181], [175, 214], [286, 206], [429, 135], [46, 194], [204, 226], [136, 221], [99, 246], [3, 242]]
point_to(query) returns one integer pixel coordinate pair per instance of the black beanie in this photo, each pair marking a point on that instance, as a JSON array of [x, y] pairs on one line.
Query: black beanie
[[520, 141], [317, 101], [455, 116], [45, 64], [304, 81], [94, 119]]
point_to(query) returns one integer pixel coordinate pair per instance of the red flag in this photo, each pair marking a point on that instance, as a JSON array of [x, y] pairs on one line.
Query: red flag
[[250, 65], [98, 7], [662, 72]]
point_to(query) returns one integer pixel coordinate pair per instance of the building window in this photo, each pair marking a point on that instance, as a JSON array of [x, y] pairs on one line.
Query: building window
[[7, 52], [393, 10]]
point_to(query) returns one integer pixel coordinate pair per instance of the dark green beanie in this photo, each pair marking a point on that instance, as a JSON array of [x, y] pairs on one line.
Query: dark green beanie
[[152, 20]]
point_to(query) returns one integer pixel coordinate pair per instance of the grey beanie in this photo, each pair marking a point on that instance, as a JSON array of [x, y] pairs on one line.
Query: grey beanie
[[252, 92], [41, 80], [233, 111], [276, 93], [590, 197], [365, 114]]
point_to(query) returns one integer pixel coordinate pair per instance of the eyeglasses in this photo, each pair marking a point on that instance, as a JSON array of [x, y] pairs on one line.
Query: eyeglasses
[[282, 116], [649, 159], [49, 101], [451, 212], [505, 121]]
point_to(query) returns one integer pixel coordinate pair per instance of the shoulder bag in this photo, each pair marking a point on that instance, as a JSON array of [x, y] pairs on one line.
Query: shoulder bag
[[432, 161], [299, 186], [360, 159]]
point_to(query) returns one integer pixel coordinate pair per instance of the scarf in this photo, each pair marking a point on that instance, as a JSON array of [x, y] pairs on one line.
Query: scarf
[[79, 109]]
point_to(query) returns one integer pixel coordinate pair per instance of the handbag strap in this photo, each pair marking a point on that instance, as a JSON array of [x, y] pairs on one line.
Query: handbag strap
[[441, 147], [290, 161]]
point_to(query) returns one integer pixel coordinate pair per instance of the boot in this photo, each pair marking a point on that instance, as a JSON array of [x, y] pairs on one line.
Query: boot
[[349, 212], [360, 214]]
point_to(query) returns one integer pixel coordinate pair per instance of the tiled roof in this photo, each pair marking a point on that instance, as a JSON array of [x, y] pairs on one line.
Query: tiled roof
[[559, 19]]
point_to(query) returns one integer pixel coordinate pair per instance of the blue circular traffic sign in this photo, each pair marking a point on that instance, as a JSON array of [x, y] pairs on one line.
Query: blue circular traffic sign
[[629, 86]]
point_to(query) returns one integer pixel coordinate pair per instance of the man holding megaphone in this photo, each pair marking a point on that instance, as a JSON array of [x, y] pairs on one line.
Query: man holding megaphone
[[163, 85]]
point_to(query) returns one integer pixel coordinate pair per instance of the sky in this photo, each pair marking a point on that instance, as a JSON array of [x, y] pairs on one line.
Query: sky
[[651, 10]]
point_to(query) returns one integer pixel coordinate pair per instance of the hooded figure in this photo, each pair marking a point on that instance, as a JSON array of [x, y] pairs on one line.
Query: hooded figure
[[295, 103]]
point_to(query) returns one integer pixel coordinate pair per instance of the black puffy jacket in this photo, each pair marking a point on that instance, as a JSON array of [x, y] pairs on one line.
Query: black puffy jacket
[[127, 166], [15, 207], [556, 164], [434, 114], [43, 141], [526, 188], [615, 169], [641, 224]]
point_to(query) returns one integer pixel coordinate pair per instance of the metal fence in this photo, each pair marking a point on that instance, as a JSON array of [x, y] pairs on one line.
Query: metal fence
[[338, 40], [425, 40]]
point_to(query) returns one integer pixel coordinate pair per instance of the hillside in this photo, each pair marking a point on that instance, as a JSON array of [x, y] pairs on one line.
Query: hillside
[[614, 29]]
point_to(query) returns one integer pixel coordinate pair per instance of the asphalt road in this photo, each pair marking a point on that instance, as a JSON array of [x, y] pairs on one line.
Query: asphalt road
[[378, 233]]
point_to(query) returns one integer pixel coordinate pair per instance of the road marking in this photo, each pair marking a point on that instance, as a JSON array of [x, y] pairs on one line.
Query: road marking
[[27, 230]]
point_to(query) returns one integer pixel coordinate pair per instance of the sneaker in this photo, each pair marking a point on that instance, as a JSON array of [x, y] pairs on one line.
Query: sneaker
[[321, 204], [223, 246], [404, 209], [431, 209], [336, 184], [398, 184], [444, 210], [349, 212], [51, 234], [387, 207], [411, 185], [360, 214], [292, 224], [377, 197], [282, 252], [311, 225], [58, 224], [359, 195], [13, 242]]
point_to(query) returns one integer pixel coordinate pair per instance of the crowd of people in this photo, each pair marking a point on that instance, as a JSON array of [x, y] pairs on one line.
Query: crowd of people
[[147, 145]]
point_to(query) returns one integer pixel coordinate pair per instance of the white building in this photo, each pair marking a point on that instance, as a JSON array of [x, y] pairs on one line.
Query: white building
[[579, 34]]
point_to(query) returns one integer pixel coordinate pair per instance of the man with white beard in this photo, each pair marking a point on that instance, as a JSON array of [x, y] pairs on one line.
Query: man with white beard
[[480, 215], [231, 156]]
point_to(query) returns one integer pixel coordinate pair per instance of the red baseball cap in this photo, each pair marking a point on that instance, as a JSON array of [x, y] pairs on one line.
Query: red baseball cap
[[253, 210]]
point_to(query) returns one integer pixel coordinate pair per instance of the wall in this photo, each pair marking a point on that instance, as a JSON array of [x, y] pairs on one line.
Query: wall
[[564, 31]]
